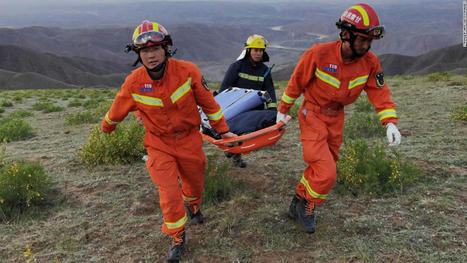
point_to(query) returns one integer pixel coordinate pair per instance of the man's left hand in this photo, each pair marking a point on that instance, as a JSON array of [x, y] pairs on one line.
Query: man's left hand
[[393, 134]]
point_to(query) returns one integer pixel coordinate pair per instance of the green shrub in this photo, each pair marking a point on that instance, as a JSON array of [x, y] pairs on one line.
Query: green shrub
[[2, 153], [23, 185], [18, 99], [14, 130], [19, 114], [373, 171], [362, 104], [294, 110], [459, 113], [217, 183], [122, 146], [46, 107], [2, 110], [6, 103], [102, 108], [81, 118], [74, 103], [363, 124], [439, 76], [93, 103], [55, 93]]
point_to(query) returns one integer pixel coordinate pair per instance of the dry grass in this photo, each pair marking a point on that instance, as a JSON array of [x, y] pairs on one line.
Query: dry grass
[[110, 213]]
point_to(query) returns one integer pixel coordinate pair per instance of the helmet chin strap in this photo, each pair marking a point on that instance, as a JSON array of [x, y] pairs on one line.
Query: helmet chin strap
[[158, 67], [351, 41]]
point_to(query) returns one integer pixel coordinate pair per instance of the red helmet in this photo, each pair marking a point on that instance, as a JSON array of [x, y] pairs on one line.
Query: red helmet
[[362, 20], [150, 34]]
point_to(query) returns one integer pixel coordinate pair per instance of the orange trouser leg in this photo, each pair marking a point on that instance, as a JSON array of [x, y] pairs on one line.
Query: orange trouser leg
[[164, 173], [321, 138], [192, 163], [171, 161]]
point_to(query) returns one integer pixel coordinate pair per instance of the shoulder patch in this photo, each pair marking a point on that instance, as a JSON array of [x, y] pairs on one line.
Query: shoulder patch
[[380, 79], [205, 84]]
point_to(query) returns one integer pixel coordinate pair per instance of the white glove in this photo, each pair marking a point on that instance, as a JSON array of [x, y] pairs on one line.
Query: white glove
[[393, 134], [281, 117]]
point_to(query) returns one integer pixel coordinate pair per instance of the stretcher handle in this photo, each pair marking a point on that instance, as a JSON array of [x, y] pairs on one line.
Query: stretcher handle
[[277, 126]]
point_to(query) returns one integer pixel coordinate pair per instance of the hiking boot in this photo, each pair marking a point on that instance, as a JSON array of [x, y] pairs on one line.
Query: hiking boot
[[178, 245], [238, 161], [293, 206], [195, 213], [306, 216]]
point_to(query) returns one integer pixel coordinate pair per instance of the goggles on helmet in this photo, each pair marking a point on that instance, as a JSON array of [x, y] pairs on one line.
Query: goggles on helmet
[[150, 36], [376, 32]]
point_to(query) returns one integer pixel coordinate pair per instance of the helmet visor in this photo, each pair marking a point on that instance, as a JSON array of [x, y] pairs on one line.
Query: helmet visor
[[151, 36]]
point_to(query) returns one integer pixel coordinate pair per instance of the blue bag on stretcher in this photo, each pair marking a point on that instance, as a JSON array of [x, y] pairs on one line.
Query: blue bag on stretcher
[[234, 101], [240, 104]]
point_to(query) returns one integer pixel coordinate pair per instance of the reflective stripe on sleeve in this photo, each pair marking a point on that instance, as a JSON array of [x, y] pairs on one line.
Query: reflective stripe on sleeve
[[389, 113], [109, 121], [272, 105], [287, 99], [215, 116], [310, 191]]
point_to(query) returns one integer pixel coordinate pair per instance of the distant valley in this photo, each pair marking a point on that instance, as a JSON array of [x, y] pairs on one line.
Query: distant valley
[[84, 48]]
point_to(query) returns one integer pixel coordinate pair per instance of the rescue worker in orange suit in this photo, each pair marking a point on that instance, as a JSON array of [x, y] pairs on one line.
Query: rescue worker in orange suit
[[165, 93], [331, 75], [249, 72]]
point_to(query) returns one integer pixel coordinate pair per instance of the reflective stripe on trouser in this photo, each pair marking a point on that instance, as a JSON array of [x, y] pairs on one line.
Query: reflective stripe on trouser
[[321, 138], [171, 158]]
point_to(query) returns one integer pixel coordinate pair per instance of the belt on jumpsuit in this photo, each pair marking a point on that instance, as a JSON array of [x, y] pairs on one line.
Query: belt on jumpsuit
[[330, 110]]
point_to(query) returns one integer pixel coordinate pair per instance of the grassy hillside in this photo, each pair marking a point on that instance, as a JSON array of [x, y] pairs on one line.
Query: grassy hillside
[[110, 213]]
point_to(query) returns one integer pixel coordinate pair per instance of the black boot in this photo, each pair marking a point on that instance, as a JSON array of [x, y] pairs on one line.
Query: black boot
[[293, 206], [194, 213], [178, 245], [238, 161], [305, 211]]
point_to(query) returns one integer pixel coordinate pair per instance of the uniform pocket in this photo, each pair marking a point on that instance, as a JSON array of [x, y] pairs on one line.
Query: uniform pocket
[[309, 125]]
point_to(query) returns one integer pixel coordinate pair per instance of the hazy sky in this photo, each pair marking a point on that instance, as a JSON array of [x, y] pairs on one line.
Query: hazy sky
[[24, 3]]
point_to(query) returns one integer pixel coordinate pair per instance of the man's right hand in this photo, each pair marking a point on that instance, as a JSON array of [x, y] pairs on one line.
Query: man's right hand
[[281, 117], [106, 127], [228, 135]]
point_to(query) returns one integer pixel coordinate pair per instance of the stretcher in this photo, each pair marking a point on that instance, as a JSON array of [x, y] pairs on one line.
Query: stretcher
[[234, 101]]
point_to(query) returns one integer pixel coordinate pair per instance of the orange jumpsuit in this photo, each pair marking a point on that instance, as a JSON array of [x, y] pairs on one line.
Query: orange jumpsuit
[[171, 118], [328, 83]]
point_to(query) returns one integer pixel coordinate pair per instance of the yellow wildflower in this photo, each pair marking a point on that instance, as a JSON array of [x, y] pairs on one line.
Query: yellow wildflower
[[28, 252]]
